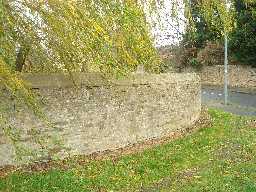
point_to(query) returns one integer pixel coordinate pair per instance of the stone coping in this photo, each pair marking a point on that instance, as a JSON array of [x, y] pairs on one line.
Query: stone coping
[[59, 80]]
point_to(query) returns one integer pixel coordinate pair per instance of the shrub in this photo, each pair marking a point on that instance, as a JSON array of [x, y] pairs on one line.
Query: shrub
[[212, 54]]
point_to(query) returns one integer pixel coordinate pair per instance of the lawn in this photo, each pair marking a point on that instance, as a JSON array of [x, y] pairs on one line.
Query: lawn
[[221, 157]]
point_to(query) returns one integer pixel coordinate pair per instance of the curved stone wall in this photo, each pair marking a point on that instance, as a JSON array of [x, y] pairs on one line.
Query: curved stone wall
[[101, 115]]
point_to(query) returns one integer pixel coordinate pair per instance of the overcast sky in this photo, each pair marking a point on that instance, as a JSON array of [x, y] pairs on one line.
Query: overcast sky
[[169, 30]]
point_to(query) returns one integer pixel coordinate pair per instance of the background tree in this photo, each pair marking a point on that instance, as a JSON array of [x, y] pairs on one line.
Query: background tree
[[243, 39], [242, 36], [203, 31]]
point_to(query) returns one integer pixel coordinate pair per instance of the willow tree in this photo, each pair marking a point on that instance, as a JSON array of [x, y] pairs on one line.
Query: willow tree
[[108, 36], [111, 37]]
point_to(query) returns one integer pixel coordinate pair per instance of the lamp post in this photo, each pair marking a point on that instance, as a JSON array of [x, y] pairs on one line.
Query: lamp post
[[226, 65], [226, 71]]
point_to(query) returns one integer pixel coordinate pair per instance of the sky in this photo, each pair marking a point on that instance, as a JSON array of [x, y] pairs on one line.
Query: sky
[[165, 29]]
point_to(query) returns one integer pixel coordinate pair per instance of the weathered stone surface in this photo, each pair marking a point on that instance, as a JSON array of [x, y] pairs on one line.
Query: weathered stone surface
[[239, 76], [110, 114]]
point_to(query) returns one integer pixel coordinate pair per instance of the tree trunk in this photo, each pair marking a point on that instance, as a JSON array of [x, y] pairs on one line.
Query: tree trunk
[[21, 58]]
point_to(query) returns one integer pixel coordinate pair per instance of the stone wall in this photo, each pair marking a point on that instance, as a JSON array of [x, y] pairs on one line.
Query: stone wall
[[239, 76], [100, 114]]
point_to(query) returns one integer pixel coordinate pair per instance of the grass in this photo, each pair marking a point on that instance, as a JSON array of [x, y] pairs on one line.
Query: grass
[[217, 158]]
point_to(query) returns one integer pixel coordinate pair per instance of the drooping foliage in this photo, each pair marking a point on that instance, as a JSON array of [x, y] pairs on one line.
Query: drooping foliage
[[108, 36]]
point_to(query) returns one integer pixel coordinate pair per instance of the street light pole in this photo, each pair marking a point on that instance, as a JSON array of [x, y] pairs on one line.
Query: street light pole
[[226, 71], [226, 65]]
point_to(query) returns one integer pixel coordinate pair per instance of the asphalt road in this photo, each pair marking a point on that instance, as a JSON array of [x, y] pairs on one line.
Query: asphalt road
[[240, 103]]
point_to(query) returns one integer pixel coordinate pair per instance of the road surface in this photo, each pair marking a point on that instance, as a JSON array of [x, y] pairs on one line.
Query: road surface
[[240, 103]]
